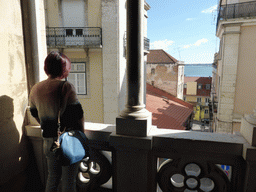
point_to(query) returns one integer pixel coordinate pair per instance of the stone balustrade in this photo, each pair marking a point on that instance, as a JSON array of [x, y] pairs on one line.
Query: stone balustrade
[[165, 160]]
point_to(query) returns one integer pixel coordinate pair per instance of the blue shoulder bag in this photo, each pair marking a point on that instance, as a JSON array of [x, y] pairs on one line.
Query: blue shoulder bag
[[72, 146]]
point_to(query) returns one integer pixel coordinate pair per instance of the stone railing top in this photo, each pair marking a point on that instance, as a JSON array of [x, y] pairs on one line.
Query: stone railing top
[[89, 126], [166, 133], [177, 139], [199, 136], [162, 133]]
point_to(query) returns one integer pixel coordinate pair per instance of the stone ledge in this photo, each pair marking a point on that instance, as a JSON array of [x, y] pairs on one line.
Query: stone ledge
[[228, 144], [33, 131]]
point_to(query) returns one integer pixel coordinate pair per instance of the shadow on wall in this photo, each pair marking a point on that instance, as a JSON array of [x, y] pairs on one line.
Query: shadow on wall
[[15, 174]]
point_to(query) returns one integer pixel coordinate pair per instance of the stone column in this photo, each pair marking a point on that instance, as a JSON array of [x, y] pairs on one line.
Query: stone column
[[132, 158], [134, 120], [33, 19]]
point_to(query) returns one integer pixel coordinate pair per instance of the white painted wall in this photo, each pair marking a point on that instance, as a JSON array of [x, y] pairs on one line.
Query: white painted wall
[[180, 81]]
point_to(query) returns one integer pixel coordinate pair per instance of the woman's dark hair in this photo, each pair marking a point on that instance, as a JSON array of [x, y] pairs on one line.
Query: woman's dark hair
[[57, 65]]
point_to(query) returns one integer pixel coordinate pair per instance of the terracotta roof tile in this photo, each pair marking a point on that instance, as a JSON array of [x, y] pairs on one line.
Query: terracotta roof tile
[[159, 56], [199, 80], [168, 111]]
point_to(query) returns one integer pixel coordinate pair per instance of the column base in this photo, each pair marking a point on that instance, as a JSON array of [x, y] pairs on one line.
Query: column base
[[133, 164], [248, 131], [138, 127]]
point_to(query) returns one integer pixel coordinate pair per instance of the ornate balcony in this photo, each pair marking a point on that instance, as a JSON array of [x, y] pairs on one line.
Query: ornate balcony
[[74, 37], [237, 10]]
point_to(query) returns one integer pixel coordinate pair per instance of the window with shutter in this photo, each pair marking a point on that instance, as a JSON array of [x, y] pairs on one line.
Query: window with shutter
[[77, 77]]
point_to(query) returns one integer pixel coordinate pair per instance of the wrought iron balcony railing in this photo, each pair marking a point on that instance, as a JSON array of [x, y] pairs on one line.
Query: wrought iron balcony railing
[[146, 43], [84, 37], [237, 10]]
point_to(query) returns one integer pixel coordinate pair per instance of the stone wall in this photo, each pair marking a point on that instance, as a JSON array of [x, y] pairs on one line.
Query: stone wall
[[165, 77], [13, 96]]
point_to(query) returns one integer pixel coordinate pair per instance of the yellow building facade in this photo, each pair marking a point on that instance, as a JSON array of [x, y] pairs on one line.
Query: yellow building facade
[[197, 92], [92, 34]]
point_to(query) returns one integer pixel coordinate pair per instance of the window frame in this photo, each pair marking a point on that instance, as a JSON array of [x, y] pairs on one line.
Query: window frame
[[153, 71], [199, 98], [79, 32], [87, 70], [80, 72], [69, 32]]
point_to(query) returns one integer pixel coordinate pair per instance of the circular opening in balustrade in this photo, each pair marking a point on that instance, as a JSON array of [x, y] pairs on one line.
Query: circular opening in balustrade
[[84, 177], [192, 169], [192, 183], [83, 166], [177, 180], [207, 184], [94, 168]]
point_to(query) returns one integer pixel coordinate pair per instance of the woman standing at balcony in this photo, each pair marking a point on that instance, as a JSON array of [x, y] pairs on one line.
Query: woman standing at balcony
[[45, 99]]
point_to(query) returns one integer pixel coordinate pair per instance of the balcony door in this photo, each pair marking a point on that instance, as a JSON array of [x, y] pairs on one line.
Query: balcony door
[[74, 14]]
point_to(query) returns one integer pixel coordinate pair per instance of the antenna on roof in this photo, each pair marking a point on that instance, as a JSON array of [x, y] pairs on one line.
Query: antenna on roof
[[178, 50]]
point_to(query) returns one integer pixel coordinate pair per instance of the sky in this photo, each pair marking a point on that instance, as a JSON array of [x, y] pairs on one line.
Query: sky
[[184, 28]]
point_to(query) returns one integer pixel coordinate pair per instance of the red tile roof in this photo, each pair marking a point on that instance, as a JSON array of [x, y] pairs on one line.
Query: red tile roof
[[199, 80], [200, 92], [159, 56], [168, 111]]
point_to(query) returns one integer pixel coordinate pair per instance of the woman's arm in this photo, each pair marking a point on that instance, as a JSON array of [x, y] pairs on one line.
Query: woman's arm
[[34, 113]]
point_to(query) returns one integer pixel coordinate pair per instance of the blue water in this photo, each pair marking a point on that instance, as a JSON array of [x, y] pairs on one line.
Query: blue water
[[198, 70]]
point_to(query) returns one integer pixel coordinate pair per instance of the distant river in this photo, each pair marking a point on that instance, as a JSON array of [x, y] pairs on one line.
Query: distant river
[[198, 70]]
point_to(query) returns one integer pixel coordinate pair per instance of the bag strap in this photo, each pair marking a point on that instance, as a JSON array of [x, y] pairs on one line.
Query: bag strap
[[60, 103]]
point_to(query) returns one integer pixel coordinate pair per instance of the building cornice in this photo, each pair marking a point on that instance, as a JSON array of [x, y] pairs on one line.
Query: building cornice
[[234, 22]]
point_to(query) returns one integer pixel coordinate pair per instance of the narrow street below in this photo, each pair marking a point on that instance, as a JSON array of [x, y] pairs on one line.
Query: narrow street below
[[199, 126]]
